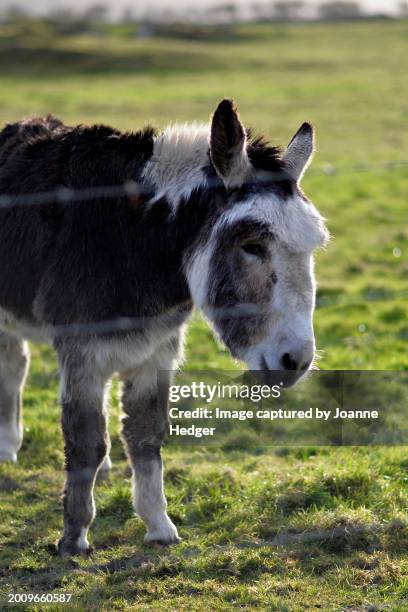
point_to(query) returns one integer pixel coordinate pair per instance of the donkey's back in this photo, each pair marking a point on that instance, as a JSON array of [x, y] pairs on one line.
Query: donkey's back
[[72, 243]]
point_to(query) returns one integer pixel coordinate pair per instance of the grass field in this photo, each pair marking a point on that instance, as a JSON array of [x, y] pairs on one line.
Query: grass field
[[270, 529]]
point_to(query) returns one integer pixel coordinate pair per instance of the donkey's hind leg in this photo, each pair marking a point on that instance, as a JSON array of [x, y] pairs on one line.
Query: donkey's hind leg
[[86, 444], [14, 359]]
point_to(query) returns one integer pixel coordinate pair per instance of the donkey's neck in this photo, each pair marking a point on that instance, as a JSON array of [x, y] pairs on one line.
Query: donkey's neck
[[177, 166]]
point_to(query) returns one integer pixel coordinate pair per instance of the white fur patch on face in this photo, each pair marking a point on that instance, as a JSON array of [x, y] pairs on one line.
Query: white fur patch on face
[[179, 155], [298, 229], [291, 315], [293, 221]]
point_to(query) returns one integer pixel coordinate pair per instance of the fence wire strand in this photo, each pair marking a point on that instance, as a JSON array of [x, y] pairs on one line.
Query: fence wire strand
[[132, 189], [66, 195]]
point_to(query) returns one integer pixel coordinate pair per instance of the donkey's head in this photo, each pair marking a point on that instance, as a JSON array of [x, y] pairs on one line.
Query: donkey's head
[[251, 271]]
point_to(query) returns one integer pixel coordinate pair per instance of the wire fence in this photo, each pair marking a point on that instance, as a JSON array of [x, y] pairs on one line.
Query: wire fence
[[331, 169], [174, 316], [132, 189], [66, 195]]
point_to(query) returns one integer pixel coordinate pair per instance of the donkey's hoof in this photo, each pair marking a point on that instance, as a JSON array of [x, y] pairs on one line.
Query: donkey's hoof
[[6, 456], [166, 535], [157, 539], [67, 548]]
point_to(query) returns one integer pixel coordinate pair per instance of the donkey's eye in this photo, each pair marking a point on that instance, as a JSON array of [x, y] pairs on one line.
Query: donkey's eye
[[254, 248]]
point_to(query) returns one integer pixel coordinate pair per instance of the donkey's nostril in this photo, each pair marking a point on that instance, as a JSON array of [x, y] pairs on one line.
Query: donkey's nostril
[[288, 362]]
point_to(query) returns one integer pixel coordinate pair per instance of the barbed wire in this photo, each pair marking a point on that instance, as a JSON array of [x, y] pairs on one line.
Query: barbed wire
[[332, 169], [175, 315], [66, 195], [132, 189], [367, 297]]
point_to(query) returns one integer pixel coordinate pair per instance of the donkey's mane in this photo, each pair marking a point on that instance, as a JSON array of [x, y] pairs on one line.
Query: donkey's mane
[[262, 154], [181, 156]]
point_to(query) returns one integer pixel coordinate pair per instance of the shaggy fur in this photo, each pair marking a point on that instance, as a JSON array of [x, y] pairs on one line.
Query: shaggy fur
[[201, 214]]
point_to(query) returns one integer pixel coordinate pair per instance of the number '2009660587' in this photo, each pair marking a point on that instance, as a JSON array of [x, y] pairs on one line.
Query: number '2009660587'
[[39, 597]]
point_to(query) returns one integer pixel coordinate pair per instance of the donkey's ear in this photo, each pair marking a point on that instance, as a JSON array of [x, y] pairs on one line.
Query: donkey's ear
[[300, 150], [228, 145]]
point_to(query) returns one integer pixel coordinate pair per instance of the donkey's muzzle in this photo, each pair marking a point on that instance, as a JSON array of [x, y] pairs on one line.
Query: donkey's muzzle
[[296, 361]]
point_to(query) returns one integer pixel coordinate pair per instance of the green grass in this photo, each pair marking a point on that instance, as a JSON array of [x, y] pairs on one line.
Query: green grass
[[271, 529]]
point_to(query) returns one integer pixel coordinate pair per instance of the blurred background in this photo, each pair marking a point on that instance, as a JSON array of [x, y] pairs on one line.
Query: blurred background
[[212, 10]]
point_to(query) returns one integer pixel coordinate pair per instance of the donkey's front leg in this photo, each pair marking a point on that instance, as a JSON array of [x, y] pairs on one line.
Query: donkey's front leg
[[86, 444], [144, 427]]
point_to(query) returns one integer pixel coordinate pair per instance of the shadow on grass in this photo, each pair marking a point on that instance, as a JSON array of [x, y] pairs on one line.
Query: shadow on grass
[[310, 548]]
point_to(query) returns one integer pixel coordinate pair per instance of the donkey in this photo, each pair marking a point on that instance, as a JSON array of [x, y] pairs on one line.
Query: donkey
[[203, 215]]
